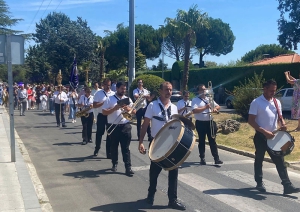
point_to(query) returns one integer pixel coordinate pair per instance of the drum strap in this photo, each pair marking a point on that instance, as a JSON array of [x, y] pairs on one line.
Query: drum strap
[[163, 112], [279, 115]]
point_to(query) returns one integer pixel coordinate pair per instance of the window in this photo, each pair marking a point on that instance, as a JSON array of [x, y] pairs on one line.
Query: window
[[280, 93], [289, 92]]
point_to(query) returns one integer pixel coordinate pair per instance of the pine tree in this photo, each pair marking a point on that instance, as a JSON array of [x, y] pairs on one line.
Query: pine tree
[[140, 58], [5, 19]]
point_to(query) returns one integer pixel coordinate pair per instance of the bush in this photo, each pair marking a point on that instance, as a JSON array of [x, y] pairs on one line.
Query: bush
[[150, 82], [245, 93]]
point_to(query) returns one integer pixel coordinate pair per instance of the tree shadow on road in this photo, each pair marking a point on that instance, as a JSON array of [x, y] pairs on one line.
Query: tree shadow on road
[[67, 143], [82, 159], [135, 206], [91, 173], [197, 164], [245, 192]]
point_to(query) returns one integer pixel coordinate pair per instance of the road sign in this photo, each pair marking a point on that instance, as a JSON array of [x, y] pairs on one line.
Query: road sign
[[17, 49]]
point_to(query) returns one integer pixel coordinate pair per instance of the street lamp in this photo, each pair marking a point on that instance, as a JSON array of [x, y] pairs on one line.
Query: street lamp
[[162, 54]]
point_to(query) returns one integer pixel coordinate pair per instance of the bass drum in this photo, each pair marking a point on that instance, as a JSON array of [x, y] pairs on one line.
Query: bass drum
[[172, 145], [281, 144]]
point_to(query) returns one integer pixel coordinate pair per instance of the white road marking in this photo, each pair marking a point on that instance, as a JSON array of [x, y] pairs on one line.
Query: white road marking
[[140, 168], [249, 180], [294, 175], [223, 194]]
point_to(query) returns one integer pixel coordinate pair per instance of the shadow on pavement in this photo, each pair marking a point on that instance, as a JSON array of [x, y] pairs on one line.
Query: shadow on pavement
[[136, 206], [82, 159], [197, 164], [91, 173]]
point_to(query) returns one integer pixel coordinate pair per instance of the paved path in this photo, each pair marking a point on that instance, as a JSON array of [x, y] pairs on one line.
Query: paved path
[[74, 180]]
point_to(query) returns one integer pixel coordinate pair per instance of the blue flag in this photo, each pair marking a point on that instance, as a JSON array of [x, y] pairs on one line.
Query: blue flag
[[74, 75]]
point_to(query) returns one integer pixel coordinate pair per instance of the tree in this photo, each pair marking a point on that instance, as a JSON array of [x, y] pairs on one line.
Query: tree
[[217, 39], [61, 38], [289, 23], [102, 44], [159, 65], [270, 50], [117, 52], [173, 41], [140, 58], [188, 22], [6, 21], [210, 64]]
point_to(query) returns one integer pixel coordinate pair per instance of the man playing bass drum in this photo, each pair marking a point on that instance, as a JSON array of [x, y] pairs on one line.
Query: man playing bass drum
[[159, 112], [263, 117], [202, 113]]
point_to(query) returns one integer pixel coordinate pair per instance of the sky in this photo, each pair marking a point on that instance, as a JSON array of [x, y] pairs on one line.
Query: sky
[[252, 22]]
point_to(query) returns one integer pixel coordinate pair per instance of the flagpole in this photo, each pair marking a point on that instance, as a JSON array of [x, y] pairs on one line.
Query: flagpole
[[59, 80]]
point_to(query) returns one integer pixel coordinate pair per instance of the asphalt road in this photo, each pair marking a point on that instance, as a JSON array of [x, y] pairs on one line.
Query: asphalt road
[[74, 180]]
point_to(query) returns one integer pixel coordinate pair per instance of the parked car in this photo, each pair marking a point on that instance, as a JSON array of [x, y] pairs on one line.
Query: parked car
[[285, 96], [176, 95], [228, 101]]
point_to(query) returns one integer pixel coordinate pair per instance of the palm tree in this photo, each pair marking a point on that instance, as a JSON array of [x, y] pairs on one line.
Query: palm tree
[[102, 44], [187, 22]]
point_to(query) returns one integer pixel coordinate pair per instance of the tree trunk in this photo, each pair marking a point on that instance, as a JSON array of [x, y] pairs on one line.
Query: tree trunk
[[177, 55], [201, 59], [185, 77], [101, 65]]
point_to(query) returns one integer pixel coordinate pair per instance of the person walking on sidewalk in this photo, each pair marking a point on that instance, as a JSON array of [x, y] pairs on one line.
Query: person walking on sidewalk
[[22, 99], [264, 115]]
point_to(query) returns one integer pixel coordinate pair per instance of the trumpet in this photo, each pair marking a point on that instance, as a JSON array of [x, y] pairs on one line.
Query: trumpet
[[83, 112], [139, 103]]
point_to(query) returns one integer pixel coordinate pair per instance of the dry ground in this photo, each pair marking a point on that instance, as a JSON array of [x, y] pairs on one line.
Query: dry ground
[[243, 139]]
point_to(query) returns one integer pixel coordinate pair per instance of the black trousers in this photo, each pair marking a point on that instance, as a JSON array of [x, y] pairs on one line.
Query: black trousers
[[122, 135], [139, 116], [59, 109], [203, 129], [101, 123], [172, 181], [87, 127], [260, 143]]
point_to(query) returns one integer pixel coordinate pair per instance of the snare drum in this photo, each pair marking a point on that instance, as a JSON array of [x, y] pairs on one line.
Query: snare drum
[[281, 144], [172, 145]]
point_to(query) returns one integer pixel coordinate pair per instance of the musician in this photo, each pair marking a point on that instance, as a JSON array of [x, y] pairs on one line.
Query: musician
[[99, 99], [184, 105], [60, 99], [204, 124], [140, 90], [122, 132], [86, 102], [264, 118], [159, 112]]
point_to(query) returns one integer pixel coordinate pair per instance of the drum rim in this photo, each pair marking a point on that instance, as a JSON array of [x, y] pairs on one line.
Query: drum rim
[[186, 155], [275, 151], [174, 145]]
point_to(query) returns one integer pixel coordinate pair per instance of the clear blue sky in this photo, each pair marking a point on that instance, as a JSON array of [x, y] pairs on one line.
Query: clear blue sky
[[252, 22]]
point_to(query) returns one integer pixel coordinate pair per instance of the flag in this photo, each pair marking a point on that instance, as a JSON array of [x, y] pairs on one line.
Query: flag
[[74, 75]]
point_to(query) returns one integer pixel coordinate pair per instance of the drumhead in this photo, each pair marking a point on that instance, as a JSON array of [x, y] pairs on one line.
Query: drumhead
[[165, 139], [279, 140]]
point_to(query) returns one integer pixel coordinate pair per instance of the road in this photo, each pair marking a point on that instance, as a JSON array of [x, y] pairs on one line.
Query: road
[[74, 180]]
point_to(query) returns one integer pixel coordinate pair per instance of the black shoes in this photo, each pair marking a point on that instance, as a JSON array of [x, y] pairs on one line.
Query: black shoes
[[57, 125], [83, 142], [108, 156], [290, 188], [176, 205], [129, 172], [261, 187], [114, 168], [90, 141], [150, 199], [218, 161], [202, 161], [95, 153], [64, 125]]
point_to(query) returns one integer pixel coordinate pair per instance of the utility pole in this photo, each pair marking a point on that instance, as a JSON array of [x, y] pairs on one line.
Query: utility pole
[[131, 74], [162, 54]]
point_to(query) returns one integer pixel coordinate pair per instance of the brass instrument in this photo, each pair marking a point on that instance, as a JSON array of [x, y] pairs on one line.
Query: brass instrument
[[83, 112], [139, 103], [210, 94]]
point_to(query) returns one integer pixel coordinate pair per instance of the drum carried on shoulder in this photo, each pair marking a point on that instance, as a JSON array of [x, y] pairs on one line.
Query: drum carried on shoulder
[[281, 144], [173, 143]]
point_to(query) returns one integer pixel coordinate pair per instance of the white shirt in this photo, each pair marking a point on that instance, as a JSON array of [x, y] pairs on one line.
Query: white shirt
[[141, 91], [181, 104], [75, 97], [153, 109], [100, 97], [86, 102], [265, 112], [22, 94], [114, 117], [205, 115], [43, 98], [113, 87], [57, 97], [94, 91]]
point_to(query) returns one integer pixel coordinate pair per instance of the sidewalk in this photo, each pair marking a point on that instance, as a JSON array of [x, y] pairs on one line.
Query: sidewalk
[[17, 192]]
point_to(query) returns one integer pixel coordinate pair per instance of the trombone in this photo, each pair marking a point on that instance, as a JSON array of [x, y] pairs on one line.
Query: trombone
[[210, 95], [139, 103]]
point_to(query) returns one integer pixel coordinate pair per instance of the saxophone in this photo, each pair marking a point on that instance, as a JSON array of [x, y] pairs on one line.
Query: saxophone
[[84, 112]]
